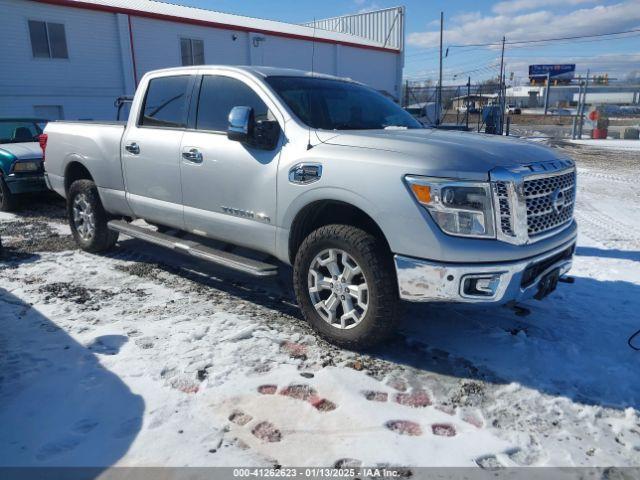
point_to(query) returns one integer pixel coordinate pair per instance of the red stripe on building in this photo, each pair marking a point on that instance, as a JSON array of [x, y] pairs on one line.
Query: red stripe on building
[[204, 23], [133, 51]]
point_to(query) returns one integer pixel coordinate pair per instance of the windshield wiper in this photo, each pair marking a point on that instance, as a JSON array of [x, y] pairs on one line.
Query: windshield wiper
[[347, 126]]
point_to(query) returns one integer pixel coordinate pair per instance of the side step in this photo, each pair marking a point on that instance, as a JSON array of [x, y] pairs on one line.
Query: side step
[[225, 259]]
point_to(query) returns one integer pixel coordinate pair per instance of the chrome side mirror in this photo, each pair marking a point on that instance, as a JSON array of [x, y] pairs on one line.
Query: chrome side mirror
[[241, 124]]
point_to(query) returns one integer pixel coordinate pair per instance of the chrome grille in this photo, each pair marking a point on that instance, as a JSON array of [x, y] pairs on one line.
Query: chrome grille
[[540, 193], [504, 208], [533, 201]]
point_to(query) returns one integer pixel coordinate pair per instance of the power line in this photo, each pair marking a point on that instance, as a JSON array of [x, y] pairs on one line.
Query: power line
[[463, 58], [414, 55], [484, 69], [571, 42], [518, 42], [569, 55], [453, 73]]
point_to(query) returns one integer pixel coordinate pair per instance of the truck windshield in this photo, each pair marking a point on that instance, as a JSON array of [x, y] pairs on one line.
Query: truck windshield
[[340, 105], [18, 131]]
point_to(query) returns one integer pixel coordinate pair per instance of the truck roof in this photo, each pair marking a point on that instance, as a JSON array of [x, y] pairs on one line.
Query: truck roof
[[263, 72]]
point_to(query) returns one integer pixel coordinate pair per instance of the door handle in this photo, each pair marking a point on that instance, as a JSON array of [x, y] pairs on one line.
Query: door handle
[[132, 147], [193, 155]]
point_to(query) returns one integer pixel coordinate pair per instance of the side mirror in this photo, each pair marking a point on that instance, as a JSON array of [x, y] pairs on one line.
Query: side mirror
[[241, 124]]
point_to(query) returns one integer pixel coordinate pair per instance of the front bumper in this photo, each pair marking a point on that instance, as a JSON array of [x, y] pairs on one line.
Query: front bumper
[[26, 183], [426, 281]]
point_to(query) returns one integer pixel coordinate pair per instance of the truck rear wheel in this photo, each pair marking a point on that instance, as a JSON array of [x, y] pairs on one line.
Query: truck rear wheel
[[87, 218], [7, 199], [345, 285]]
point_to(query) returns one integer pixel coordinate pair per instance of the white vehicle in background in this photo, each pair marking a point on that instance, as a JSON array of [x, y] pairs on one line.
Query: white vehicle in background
[[563, 112], [425, 113]]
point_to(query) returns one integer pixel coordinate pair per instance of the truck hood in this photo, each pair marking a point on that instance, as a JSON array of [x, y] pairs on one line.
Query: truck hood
[[23, 151], [450, 153]]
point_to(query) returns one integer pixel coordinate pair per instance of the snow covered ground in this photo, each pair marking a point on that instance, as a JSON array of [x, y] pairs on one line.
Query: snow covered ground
[[146, 358], [613, 144]]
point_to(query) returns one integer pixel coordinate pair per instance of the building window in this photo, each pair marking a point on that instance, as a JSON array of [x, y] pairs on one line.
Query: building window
[[48, 40], [49, 112], [192, 51]]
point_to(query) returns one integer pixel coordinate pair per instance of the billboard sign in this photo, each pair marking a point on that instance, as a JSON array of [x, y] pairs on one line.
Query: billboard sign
[[557, 72]]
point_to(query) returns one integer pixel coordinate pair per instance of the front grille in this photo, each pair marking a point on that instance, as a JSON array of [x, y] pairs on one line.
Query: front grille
[[504, 208], [550, 202]]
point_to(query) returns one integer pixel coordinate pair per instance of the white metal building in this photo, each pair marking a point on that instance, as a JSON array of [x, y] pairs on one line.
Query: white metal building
[[532, 96], [71, 59]]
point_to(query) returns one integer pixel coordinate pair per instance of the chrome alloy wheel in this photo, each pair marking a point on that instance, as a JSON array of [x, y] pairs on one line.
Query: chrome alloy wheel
[[84, 217], [338, 288]]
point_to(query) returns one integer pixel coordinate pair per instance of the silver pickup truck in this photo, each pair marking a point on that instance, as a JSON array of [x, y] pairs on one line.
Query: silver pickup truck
[[326, 175]]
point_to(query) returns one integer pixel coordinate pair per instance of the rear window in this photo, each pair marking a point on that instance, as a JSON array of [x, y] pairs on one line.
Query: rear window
[[165, 104], [19, 131]]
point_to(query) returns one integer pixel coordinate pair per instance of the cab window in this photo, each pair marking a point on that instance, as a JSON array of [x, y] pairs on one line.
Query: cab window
[[165, 104], [218, 95]]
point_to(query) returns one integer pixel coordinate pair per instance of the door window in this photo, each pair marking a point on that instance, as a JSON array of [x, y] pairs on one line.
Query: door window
[[165, 104], [218, 95]]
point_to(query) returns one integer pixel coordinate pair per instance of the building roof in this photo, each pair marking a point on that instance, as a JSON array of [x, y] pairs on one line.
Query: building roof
[[197, 16]]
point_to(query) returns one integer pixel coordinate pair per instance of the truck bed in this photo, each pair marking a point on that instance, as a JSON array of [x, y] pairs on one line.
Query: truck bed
[[94, 122], [96, 145]]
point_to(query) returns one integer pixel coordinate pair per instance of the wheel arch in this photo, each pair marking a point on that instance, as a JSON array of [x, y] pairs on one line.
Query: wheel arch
[[75, 170], [325, 212]]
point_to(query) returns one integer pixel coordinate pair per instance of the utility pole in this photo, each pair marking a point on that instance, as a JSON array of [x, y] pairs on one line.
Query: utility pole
[[546, 93], [439, 109], [582, 105], [468, 95], [574, 128], [406, 93], [501, 102]]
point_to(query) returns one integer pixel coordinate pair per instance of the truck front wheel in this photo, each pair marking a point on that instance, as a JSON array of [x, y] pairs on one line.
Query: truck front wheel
[[345, 285], [87, 218]]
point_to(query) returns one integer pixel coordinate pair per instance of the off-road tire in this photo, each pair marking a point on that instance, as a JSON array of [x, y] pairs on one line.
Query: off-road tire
[[103, 239], [7, 199], [376, 262]]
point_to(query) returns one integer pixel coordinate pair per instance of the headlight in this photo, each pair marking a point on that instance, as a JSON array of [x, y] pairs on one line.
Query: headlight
[[459, 208], [25, 167]]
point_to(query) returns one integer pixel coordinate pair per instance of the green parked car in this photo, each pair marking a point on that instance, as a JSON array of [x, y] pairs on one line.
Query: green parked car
[[21, 162]]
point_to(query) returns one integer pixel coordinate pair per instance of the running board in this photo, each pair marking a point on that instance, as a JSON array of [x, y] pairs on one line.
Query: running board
[[195, 249]]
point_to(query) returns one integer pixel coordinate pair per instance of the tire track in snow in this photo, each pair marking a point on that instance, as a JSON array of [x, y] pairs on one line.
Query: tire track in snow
[[605, 229], [606, 176]]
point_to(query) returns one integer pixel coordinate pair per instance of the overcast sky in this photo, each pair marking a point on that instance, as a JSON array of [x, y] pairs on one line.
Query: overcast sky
[[477, 21]]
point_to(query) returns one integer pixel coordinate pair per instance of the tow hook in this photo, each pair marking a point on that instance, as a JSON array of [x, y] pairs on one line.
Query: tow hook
[[567, 279]]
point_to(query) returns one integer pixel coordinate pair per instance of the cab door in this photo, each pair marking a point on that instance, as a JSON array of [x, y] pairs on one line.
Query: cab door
[[229, 188], [151, 151]]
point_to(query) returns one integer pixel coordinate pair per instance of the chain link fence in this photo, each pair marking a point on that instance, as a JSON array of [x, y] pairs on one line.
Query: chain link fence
[[461, 104]]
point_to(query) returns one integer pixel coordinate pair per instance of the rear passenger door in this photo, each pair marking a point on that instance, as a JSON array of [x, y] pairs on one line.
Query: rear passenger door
[[151, 151], [229, 188]]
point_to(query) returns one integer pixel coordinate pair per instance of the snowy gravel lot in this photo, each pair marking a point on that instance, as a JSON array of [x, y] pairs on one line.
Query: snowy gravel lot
[[144, 357]]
